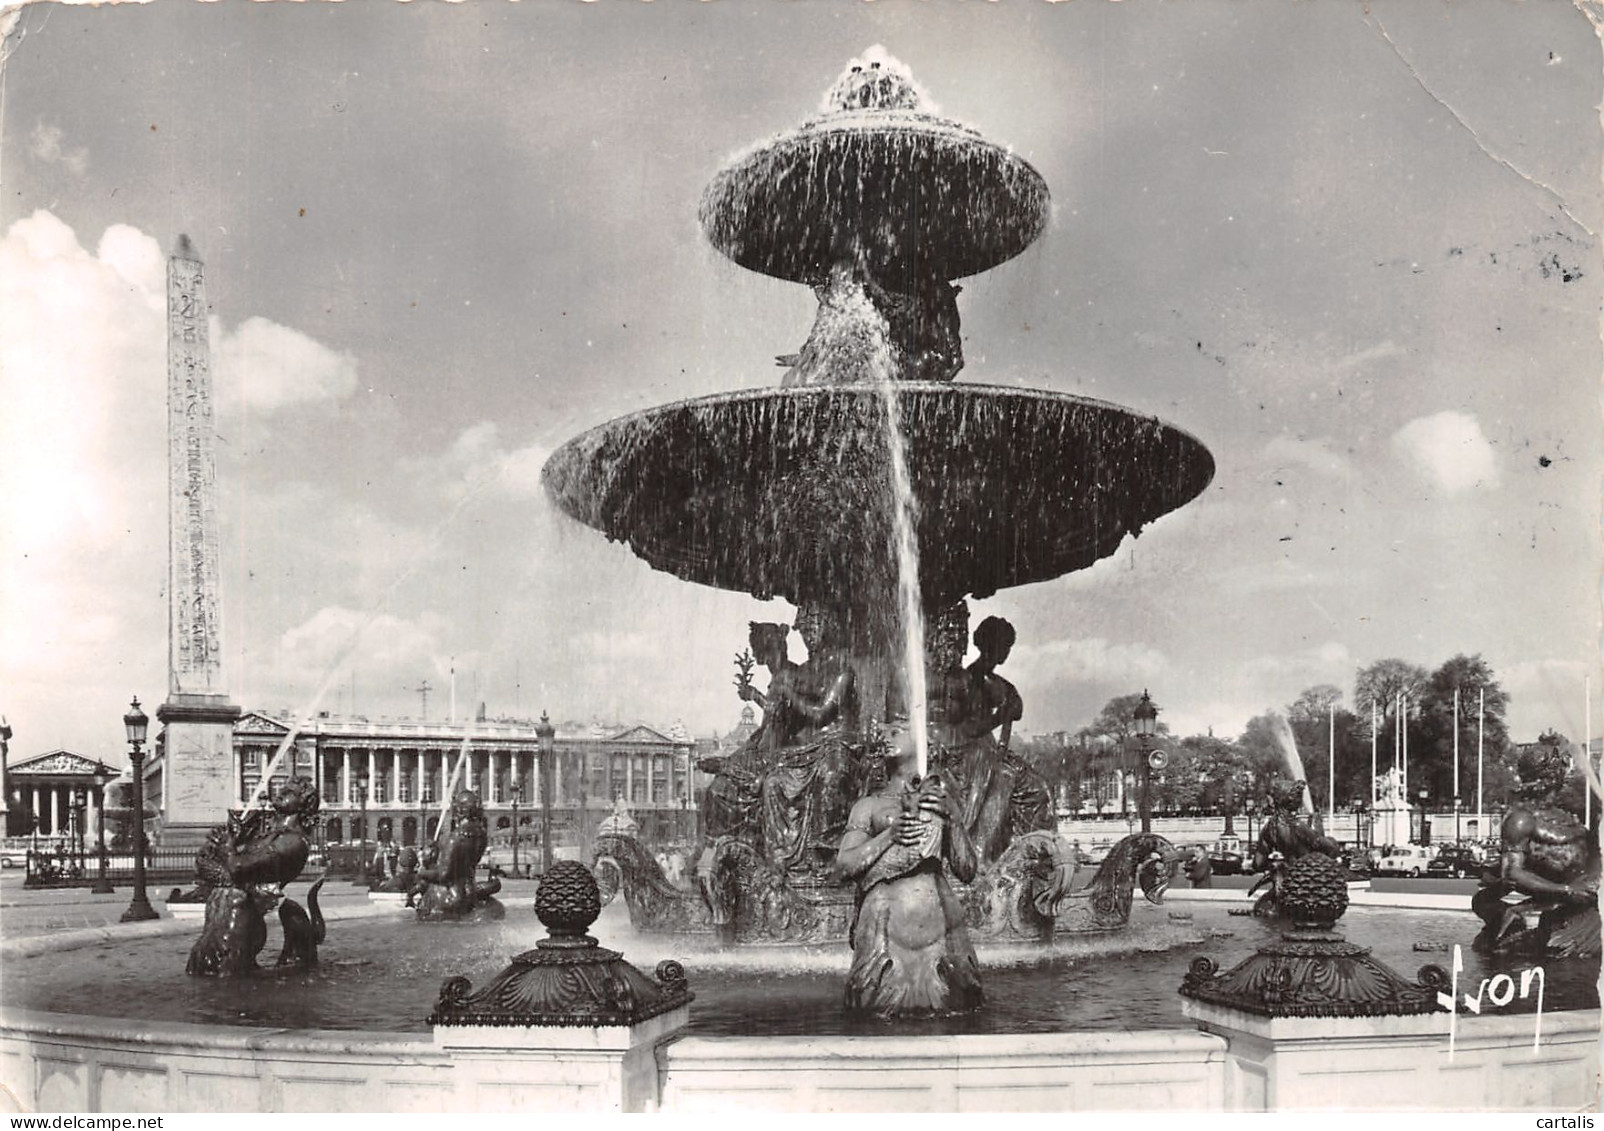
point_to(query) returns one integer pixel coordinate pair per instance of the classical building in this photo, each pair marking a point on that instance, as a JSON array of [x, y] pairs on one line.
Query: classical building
[[386, 779], [41, 792]]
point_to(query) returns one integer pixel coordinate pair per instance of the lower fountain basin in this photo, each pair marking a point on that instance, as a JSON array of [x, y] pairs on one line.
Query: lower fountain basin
[[781, 492], [383, 974], [1128, 1046]]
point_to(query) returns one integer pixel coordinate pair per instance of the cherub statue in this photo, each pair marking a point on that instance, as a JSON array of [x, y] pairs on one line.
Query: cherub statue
[[246, 865]]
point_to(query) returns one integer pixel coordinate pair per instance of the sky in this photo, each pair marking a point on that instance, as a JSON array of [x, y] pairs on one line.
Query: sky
[[1352, 248]]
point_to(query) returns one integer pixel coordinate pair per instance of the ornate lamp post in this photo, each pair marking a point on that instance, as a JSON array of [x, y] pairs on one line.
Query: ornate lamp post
[[1248, 807], [362, 823], [1425, 825], [137, 725], [517, 795], [1359, 806], [80, 810], [547, 734], [1145, 719], [1457, 802], [103, 776]]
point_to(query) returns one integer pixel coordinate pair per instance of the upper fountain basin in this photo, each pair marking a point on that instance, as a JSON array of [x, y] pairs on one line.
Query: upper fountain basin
[[923, 196], [784, 492]]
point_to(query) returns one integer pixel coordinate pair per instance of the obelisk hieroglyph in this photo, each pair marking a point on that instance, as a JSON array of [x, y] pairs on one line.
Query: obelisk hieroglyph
[[198, 735]]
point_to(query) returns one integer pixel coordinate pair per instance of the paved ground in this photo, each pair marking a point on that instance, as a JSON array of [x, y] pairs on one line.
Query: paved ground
[[33, 912]]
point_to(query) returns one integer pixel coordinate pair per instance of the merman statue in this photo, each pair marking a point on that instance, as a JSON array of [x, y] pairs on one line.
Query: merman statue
[[245, 865], [911, 954], [449, 890], [1542, 896]]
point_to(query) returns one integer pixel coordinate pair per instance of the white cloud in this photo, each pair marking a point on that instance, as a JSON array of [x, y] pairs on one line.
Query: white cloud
[[46, 143], [392, 649], [1317, 455], [1449, 450], [477, 461], [83, 377], [1091, 659], [265, 366]]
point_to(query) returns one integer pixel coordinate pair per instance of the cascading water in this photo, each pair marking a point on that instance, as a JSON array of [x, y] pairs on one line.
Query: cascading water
[[904, 520]]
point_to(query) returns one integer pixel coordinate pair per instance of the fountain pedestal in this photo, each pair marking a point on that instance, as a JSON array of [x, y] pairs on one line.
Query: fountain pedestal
[[567, 1026]]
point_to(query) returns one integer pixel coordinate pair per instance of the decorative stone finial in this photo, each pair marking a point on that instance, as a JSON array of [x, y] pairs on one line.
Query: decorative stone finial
[[1312, 972], [567, 903], [567, 979]]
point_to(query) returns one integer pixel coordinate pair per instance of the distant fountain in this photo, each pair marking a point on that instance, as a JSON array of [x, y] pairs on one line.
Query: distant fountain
[[1287, 743], [875, 493]]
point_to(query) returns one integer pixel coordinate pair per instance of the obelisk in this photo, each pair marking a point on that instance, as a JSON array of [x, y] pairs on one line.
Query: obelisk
[[198, 736]]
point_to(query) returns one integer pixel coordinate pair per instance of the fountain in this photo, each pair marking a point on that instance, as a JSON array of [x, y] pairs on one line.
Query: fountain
[[877, 494], [794, 492]]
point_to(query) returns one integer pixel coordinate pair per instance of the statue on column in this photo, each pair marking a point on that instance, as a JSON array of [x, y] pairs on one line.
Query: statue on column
[[911, 954], [245, 865], [1542, 896]]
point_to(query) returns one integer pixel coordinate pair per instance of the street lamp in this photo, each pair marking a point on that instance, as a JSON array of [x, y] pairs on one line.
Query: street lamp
[[1457, 802], [362, 825], [1248, 807], [1425, 825], [517, 794], [547, 734], [102, 776], [137, 725], [1359, 805], [80, 809], [1145, 719]]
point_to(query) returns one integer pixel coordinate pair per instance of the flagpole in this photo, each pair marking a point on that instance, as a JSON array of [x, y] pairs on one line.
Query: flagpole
[[1456, 765], [1331, 768], [1587, 753], [1481, 734], [1373, 725]]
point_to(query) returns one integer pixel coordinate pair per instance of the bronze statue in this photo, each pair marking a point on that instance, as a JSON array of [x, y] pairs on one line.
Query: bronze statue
[[999, 796], [811, 776], [1542, 897], [732, 806], [1287, 835], [395, 869], [449, 890], [911, 954], [246, 865]]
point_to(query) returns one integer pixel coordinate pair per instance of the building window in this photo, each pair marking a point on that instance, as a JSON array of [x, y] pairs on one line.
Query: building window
[[253, 759], [660, 787], [428, 789], [406, 787]]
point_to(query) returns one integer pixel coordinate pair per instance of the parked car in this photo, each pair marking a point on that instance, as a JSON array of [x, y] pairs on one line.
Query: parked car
[[1404, 860], [1456, 861], [13, 857], [1225, 857]]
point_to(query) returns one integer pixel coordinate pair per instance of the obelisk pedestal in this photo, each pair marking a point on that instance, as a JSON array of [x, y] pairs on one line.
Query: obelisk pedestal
[[197, 739]]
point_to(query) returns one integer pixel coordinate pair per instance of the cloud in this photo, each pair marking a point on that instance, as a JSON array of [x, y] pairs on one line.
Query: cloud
[[45, 143], [1317, 455], [1087, 659], [83, 420], [264, 366], [477, 461], [1449, 451]]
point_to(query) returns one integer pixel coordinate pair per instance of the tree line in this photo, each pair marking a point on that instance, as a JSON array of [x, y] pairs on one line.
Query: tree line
[[1210, 774]]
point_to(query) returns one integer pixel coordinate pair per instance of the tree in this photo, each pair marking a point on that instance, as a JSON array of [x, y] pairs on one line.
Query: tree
[[1263, 748], [1110, 740], [1433, 733], [1319, 720]]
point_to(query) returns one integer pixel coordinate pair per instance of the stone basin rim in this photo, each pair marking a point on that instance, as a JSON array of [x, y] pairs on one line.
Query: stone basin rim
[[807, 392]]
